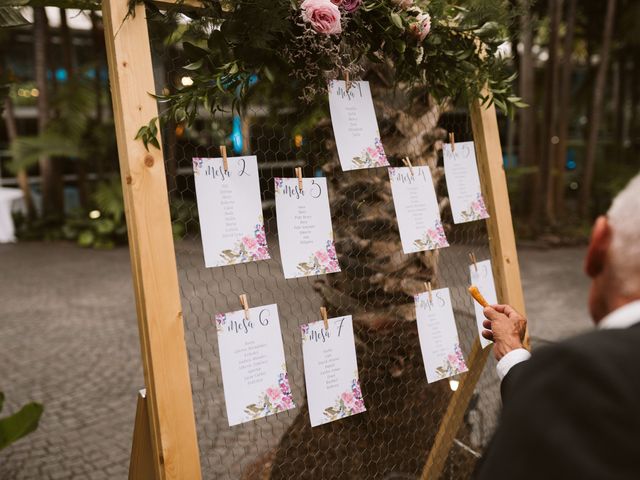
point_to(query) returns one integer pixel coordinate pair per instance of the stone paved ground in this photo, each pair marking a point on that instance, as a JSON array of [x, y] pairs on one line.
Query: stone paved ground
[[68, 338]]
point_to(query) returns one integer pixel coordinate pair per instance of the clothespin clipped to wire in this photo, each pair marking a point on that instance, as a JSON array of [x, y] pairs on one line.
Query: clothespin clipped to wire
[[452, 141], [474, 261], [225, 162], [347, 82], [427, 287], [245, 305], [325, 318], [299, 175], [407, 163]]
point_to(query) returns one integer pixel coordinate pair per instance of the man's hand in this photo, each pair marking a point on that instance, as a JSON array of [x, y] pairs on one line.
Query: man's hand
[[505, 327]]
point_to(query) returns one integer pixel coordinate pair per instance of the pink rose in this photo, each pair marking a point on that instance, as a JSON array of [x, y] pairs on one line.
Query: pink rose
[[322, 257], [322, 15], [273, 393], [421, 27], [347, 398], [350, 5], [249, 242]]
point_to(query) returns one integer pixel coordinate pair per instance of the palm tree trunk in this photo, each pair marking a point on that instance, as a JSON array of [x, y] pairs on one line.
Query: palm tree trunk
[[376, 286], [526, 89], [550, 125], [596, 111], [21, 175], [67, 56], [563, 114], [97, 37], [52, 193]]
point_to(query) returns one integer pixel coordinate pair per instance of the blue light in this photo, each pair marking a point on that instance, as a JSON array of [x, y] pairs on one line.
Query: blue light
[[236, 134], [61, 75]]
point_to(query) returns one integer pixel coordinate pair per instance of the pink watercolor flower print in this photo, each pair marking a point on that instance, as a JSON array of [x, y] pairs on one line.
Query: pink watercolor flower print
[[347, 404], [220, 319], [197, 165], [433, 238], [275, 399], [249, 248], [371, 157], [453, 365], [477, 210], [321, 261]]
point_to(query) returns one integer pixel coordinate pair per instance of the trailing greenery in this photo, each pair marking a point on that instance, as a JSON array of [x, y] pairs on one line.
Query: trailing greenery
[[21, 423], [230, 44]]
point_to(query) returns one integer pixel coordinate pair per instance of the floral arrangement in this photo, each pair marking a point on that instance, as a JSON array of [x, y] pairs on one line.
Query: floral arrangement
[[249, 248], [275, 399], [347, 404], [454, 364], [477, 210], [433, 238], [321, 262], [239, 48], [371, 157]]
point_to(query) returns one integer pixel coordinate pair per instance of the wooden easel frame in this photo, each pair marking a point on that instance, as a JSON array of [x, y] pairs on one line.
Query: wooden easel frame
[[165, 444]]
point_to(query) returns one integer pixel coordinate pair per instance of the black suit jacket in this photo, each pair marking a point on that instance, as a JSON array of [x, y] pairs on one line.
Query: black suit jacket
[[571, 412]]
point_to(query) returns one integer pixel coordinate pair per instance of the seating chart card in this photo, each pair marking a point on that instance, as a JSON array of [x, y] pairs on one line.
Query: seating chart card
[[304, 227], [438, 335], [463, 183], [417, 210], [331, 370], [355, 126], [483, 279], [230, 211], [254, 374]]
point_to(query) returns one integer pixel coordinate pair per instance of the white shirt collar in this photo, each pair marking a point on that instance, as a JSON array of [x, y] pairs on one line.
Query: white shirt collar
[[623, 317]]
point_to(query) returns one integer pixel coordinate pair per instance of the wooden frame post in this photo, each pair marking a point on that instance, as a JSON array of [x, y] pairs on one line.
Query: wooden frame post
[[169, 402], [506, 273]]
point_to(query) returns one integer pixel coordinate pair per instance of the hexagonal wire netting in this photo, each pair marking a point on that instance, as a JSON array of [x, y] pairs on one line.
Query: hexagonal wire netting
[[392, 439]]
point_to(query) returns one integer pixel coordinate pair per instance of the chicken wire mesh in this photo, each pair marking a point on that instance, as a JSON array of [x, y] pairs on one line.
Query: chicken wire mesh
[[392, 439]]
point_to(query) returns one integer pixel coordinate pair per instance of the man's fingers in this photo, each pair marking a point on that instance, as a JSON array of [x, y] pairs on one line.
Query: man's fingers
[[488, 334], [487, 324], [491, 313], [508, 310]]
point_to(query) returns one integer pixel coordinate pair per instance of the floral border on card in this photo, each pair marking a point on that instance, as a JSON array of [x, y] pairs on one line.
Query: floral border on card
[[371, 157], [453, 365], [275, 399], [197, 165], [477, 210], [433, 238], [348, 403], [249, 248], [320, 262]]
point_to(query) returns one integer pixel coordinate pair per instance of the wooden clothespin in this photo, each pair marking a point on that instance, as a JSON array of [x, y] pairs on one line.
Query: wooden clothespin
[[427, 287], [225, 162], [245, 305], [452, 141], [299, 175], [474, 261], [325, 318], [347, 82], [407, 163]]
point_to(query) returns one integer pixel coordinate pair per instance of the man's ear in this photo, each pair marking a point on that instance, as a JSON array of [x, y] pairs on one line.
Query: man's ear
[[598, 247]]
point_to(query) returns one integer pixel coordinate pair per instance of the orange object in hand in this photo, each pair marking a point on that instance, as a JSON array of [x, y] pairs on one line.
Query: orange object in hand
[[475, 293]]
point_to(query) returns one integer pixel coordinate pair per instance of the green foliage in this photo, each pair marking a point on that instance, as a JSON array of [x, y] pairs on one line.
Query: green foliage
[[72, 134], [108, 229], [21, 423], [227, 44]]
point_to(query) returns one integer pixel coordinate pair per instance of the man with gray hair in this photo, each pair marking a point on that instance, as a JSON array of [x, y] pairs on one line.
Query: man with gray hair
[[572, 410]]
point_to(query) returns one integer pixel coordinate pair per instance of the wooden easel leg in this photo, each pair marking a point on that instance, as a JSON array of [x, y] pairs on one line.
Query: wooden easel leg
[[141, 462]]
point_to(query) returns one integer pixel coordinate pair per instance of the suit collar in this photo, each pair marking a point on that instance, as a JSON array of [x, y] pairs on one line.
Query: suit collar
[[624, 317]]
